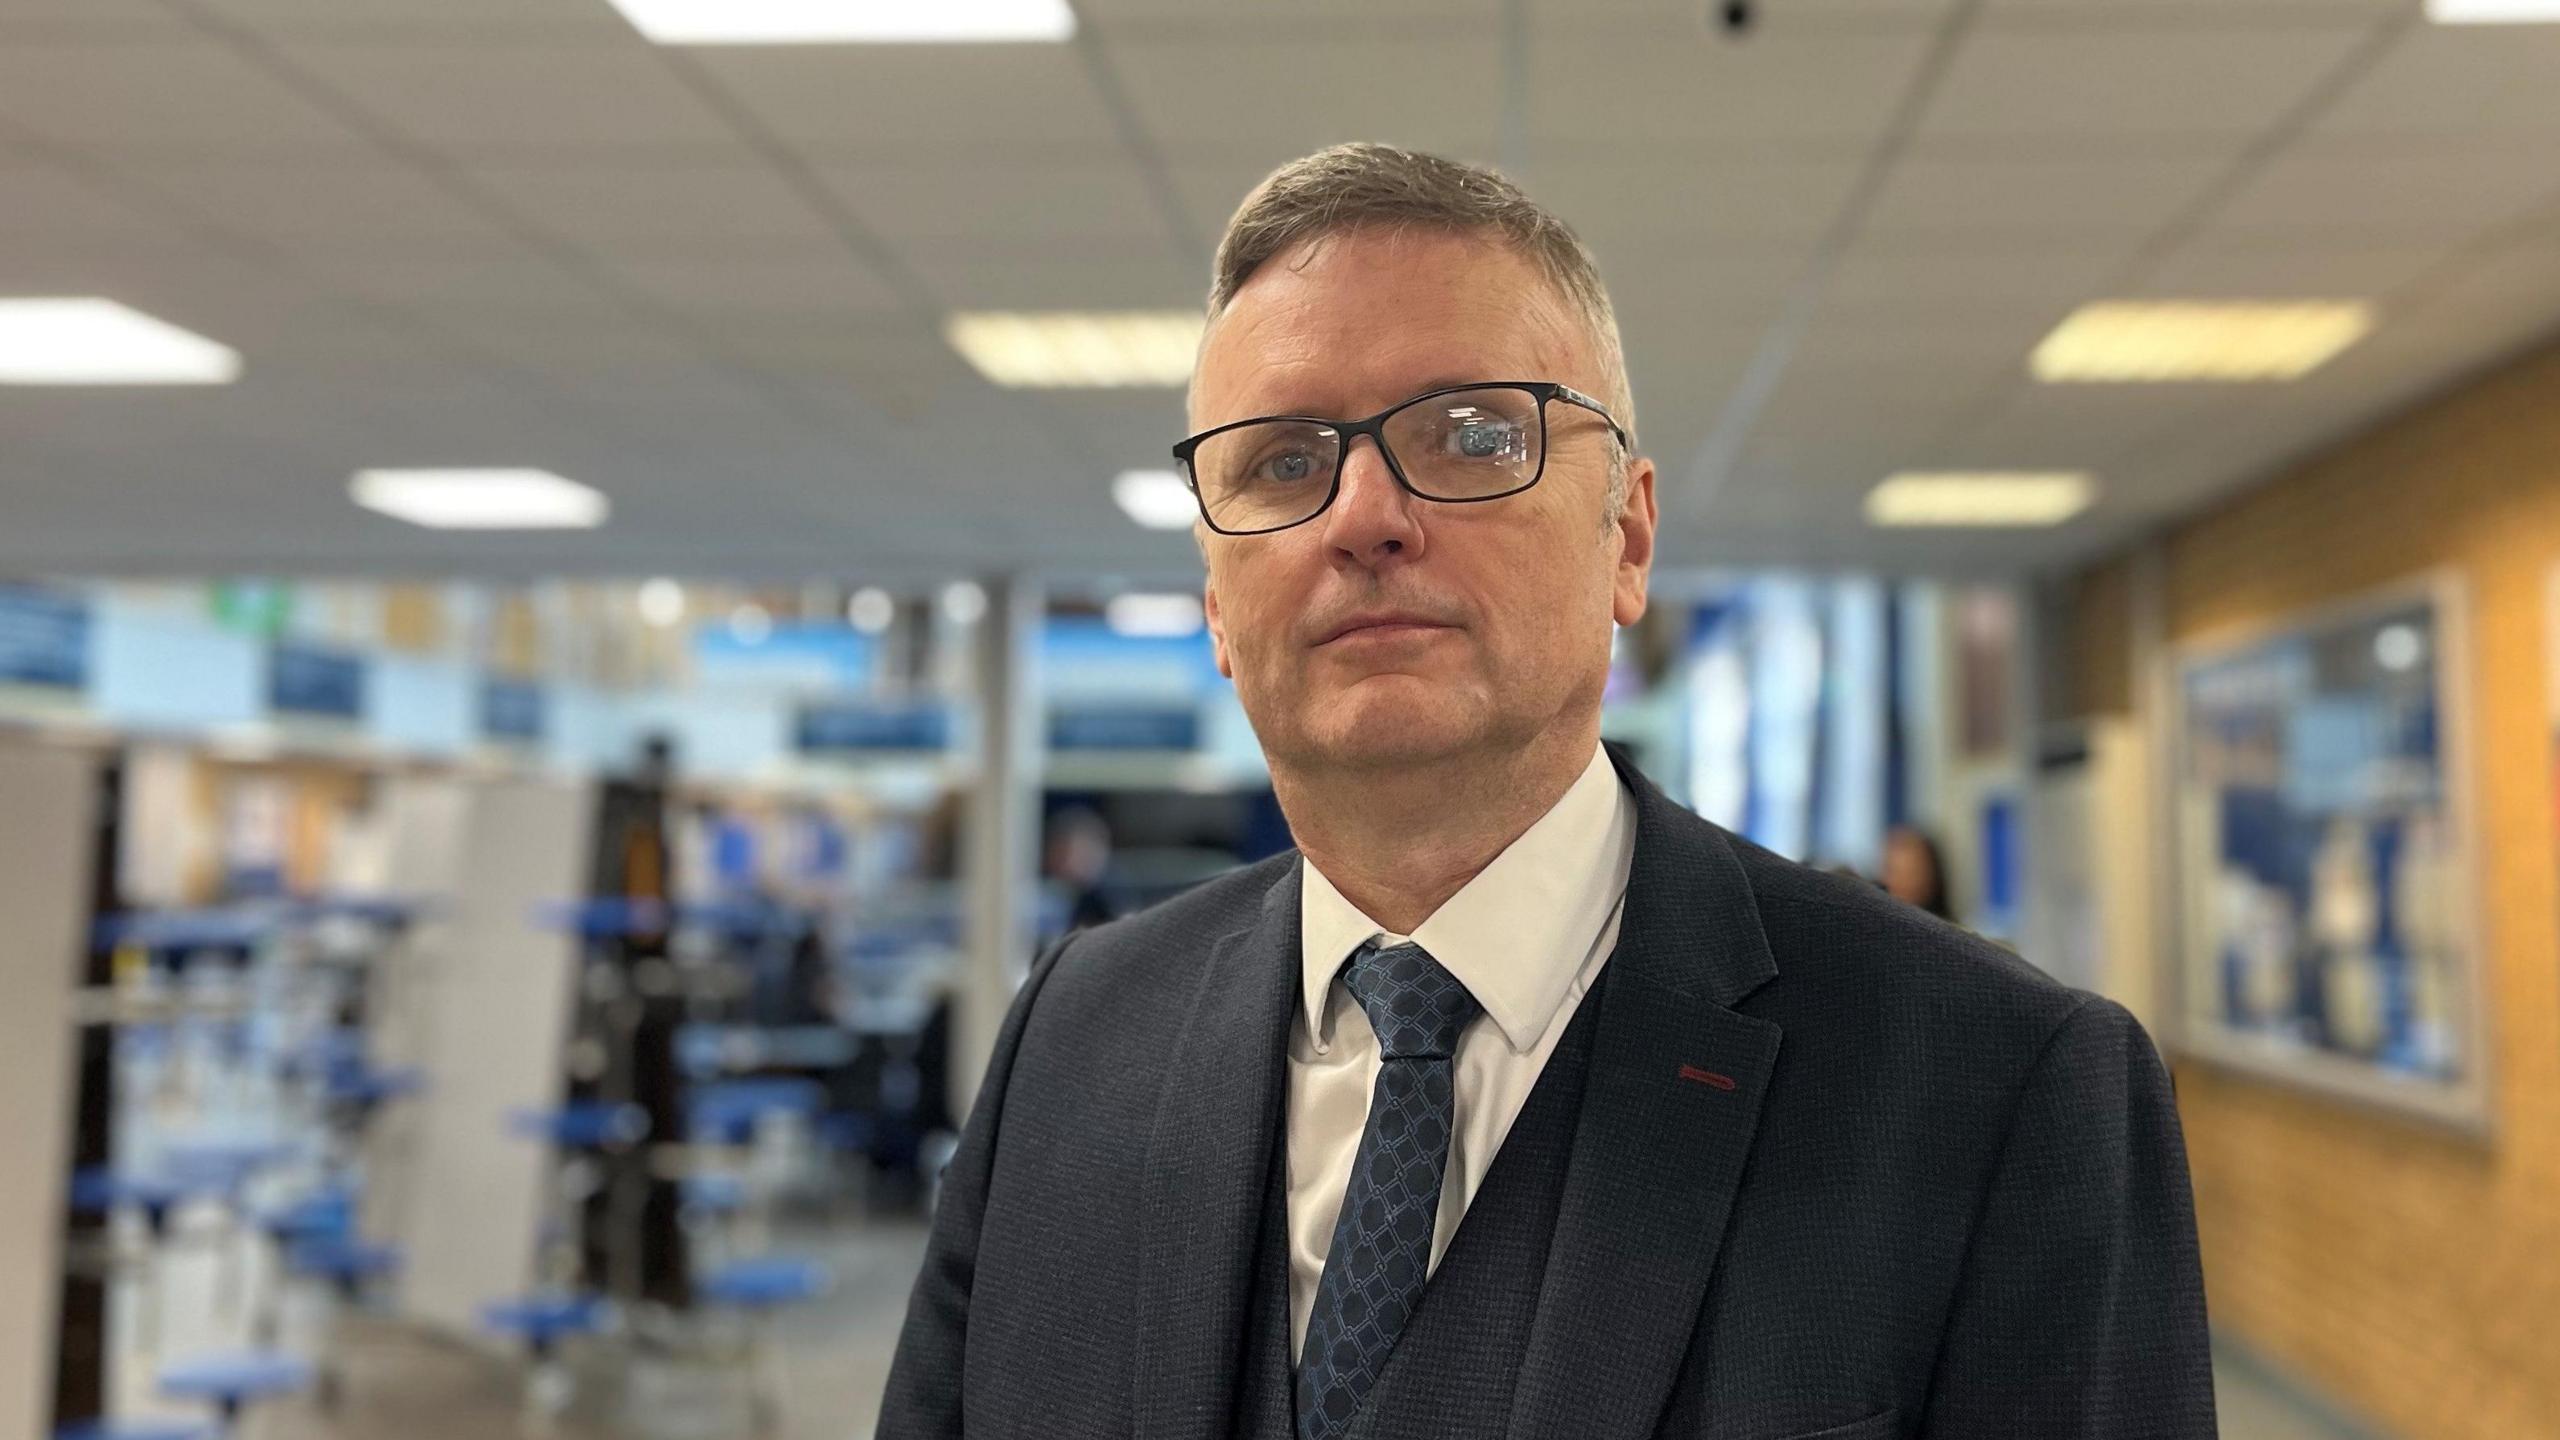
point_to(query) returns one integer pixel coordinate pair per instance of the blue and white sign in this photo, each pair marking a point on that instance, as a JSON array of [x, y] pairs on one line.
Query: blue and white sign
[[858, 726], [310, 680], [513, 710], [44, 638], [1121, 727]]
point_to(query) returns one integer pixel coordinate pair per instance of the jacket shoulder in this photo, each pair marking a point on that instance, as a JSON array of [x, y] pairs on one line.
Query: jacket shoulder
[[1838, 942], [1178, 930]]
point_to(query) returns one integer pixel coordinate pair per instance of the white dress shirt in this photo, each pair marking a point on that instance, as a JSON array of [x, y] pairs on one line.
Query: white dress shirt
[[1527, 937]]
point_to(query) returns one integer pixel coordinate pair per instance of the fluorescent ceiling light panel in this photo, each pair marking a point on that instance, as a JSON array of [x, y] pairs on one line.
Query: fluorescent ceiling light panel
[[481, 499], [1149, 617], [1079, 349], [840, 22], [1979, 499], [85, 340], [2493, 12], [2133, 341], [1156, 499]]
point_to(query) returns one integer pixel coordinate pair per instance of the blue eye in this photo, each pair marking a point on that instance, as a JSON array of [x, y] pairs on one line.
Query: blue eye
[[1484, 441], [1287, 468]]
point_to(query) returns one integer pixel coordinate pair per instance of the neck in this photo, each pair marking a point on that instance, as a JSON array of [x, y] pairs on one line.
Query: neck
[[1399, 843]]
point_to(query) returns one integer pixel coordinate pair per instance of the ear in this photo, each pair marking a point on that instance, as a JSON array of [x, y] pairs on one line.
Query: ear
[[1634, 538], [1217, 628]]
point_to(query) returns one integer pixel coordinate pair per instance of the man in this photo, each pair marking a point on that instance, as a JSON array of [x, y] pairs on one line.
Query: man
[[1518, 1101]]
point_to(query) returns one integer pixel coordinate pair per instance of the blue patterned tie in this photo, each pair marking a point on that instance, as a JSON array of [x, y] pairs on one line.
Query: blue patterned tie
[[1382, 1244]]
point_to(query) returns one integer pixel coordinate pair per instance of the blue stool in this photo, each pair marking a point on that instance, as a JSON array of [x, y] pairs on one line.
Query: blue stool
[[134, 1430], [325, 1212], [726, 1111], [584, 1125], [233, 1382], [714, 1196], [763, 1284], [99, 1190], [542, 1322], [345, 1263], [757, 1289]]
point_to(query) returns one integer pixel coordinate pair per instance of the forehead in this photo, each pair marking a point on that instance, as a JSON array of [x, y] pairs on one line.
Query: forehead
[[1351, 322]]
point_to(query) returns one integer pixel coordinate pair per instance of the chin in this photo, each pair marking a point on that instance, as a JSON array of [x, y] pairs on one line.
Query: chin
[[1391, 720]]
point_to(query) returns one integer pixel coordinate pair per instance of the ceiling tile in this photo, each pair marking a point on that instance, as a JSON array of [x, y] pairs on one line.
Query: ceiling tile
[[2330, 190], [184, 95], [86, 19], [1648, 200], [304, 207], [2294, 263], [1127, 281], [517, 279], [46, 210], [459, 97], [2056, 275], [646, 209], [2455, 81], [892, 99], [1433, 91], [745, 286], [494, 18], [2154, 84], [1667, 81], [1035, 203], [1934, 193]]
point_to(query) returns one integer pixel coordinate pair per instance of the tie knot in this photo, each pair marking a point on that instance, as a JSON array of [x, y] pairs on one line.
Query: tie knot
[[1416, 1007]]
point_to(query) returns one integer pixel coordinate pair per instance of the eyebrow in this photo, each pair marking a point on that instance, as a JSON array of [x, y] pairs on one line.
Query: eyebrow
[[1444, 382]]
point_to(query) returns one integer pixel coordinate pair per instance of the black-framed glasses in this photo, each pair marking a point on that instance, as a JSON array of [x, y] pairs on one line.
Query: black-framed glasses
[[1460, 446]]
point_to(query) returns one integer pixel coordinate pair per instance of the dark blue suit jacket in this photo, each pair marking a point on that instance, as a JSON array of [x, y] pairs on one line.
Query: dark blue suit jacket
[[1819, 1165]]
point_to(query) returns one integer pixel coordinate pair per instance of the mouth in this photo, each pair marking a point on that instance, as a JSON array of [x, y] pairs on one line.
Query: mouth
[[1382, 627]]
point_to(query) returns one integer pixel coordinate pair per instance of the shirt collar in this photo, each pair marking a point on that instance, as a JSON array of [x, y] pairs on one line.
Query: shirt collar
[[1517, 933]]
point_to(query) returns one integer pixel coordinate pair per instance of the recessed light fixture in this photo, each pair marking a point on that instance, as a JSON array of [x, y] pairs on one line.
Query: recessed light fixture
[[1979, 499], [662, 602], [2230, 340], [1079, 349], [1156, 499], [481, 499], [870, 610], [2493, 12], [1151, 617], [964, 602], [839, 22], [85, 340]]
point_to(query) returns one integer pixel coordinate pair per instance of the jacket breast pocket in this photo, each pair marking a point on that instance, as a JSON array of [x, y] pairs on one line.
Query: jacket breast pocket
[[1875, 1427]]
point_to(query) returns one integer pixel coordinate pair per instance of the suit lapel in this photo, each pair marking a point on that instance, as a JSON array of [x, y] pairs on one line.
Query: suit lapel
[[1209, 1161], [1669, 1109]]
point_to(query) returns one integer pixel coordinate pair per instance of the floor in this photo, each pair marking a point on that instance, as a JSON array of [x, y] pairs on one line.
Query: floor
[[831, 1360]]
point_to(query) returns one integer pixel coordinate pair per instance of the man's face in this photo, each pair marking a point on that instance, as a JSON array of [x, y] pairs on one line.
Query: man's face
[[1392, 630]]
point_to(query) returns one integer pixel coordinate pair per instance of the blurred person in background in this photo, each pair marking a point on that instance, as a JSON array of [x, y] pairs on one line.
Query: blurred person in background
[[1915, 871], [1079, 863], [1740, 1148]]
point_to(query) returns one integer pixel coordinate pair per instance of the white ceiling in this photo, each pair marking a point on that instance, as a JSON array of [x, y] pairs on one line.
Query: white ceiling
[[710, 281]]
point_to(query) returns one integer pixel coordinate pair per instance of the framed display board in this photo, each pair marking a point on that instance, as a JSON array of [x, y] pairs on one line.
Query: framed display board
[[2326, 933]]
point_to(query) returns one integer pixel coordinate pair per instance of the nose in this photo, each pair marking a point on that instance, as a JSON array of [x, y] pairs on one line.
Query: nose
[[1373, 520]]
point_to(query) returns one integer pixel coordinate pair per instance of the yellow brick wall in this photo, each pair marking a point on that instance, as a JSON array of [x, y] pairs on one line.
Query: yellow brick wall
[[2414, 1276]]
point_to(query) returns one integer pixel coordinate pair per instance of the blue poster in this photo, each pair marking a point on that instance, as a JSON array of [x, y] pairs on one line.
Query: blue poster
[[513, 710], [311, 680], [1124, 727], [44, 638], [2321, 858], [869, 726]]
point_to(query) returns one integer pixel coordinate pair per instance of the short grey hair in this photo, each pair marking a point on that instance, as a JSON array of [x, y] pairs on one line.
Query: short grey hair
[[1363, 185]]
